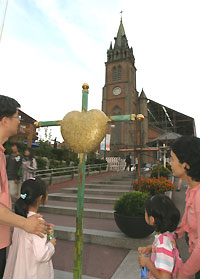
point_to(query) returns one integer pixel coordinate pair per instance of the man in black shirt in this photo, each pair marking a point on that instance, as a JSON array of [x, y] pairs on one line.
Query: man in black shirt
[[128, 162], [13, 167]]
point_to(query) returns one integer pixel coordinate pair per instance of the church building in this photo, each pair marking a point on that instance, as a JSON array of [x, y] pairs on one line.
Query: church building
[[120, 97]]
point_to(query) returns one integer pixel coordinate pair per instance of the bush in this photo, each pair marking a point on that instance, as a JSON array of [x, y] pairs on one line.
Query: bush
[[56, 164], [164, 172], [153, 186], [92, 160], [131, 204], [41, 163]]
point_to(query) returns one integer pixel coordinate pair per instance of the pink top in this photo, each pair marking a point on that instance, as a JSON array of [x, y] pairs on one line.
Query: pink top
[[191, 223], [165, 255], [29, 256], [4, 199]]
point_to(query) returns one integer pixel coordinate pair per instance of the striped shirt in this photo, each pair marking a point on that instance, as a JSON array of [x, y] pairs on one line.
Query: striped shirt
[[165, 255], [4, 199]]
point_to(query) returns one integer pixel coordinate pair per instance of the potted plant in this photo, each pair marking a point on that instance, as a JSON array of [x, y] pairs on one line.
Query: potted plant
[[164, 172], [153, 186], [130, 214]]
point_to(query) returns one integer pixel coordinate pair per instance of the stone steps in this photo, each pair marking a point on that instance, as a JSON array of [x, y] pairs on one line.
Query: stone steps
[[94, 205], [118, 182], [89, 223], [111, 239], [108, 186], [95, 191], [71, 211], [100, 229], [73, 198]]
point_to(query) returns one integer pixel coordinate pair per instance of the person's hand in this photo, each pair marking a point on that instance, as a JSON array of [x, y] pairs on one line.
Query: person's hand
[[53, 241], [144, 250], [35, 225], [50, 226], [143, 261]]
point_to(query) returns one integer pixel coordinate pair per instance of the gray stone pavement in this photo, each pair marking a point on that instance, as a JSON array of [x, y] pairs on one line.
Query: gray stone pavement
[[59, 274]]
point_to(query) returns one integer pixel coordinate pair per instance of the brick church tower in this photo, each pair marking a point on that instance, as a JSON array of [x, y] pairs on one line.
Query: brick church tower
[[119, 92], [120, 96]]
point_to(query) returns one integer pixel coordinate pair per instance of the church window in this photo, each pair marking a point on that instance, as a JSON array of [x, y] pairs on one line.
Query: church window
[[114, 74], [119, 72]]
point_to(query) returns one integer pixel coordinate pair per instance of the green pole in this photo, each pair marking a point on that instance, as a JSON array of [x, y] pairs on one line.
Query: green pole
[[117, 118], [78, 252], [47, 123]]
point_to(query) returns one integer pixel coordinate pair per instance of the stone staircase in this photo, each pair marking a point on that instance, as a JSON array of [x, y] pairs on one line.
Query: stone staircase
[[99, 223]]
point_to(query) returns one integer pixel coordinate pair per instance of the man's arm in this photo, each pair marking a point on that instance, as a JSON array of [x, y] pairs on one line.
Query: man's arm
[[31, 225]]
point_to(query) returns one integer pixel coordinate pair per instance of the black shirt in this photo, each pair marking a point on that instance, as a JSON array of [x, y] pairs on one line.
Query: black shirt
[[13, 164]]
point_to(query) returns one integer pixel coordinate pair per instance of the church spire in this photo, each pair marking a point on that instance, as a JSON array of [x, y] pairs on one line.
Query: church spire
[[121, 40], [121, 48]]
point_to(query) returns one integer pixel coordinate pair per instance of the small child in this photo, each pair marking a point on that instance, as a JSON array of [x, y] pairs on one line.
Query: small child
[[29, 255], [162, 214]]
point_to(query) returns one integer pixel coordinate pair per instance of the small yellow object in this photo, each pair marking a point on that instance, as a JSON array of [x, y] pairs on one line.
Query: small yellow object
[[83, 131], [140, 117], [37, 124]]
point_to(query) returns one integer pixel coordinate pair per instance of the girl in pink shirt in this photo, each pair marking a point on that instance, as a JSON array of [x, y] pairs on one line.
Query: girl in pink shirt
[[29, 255], [185, 163], [162, 214]]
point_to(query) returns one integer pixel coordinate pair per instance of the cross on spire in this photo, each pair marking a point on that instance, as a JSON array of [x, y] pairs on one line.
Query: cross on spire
[[121, 14]]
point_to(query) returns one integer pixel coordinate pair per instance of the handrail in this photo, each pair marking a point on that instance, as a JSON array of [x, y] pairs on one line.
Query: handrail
[[45, 173]]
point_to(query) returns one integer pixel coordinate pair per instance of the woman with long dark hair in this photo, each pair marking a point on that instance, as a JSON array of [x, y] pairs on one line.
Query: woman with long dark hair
[[29, 165], [185, 163]]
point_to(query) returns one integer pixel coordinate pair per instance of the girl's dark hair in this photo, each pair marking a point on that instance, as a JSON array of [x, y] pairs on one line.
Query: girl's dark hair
[[31, 189], [30, 151], [187, 150], [165, 213]]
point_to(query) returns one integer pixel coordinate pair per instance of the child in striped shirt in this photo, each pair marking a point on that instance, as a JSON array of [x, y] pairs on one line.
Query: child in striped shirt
[[162, 214]]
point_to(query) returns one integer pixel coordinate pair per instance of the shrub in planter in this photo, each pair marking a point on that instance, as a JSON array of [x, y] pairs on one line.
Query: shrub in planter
[[153, 186], [129, 214], [164, 172], [131, 204]]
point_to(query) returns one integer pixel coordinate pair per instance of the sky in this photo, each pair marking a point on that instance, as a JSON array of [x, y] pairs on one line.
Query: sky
[[49, 48]]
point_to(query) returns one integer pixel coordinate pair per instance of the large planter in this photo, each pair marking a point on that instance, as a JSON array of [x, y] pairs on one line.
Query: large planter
[[135, 227]]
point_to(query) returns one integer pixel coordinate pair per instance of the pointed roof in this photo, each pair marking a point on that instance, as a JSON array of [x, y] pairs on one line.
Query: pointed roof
[[169, 136], [120, 35], [143, 95]]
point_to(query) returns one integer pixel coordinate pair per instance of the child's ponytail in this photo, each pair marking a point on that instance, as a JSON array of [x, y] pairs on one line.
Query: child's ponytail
[[31, 190], [21, 207]]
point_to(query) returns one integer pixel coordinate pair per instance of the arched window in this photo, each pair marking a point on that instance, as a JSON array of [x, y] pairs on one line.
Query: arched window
[[114, 74], [119, 72], [116, 111]]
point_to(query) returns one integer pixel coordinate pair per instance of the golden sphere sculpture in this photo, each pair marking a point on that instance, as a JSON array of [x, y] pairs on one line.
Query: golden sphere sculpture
[[83, 131]]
